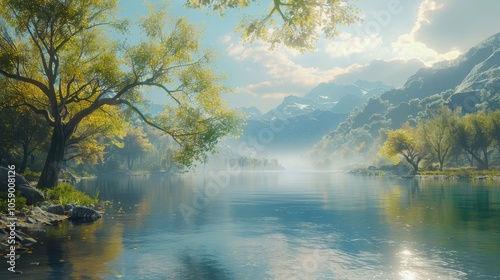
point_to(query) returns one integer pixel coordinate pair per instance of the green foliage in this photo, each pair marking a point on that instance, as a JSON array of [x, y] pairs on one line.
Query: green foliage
[[439, 134], [475, 134], [135, 144], [58, 61], [20, 201], [30, 175], [66, 193], [495, 121], [446, 134], [291, 23], [22, 132], [403, 142]]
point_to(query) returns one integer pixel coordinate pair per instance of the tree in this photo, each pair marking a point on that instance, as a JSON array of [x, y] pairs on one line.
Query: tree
[[438, 133], [403, 142], [495, 119], [102, 129], [474, 135], [57, 60], [293, 23], [22, 130], [135, 144]]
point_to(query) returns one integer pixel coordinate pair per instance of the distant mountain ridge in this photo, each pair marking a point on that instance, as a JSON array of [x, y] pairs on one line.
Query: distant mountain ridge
[[471, 82], [306, 119], [328, 97]]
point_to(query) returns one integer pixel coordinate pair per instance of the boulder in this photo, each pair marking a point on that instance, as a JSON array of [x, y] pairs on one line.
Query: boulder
[[32, 194], [56, 209], [68, 207], [83, 213], [4, 176], [27, 241]]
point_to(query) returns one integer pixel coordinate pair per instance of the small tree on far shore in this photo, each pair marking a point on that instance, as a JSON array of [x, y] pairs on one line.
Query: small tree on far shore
[[403, 142]]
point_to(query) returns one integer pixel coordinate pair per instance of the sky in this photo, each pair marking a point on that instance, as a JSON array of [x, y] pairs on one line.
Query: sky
[[395, 39]]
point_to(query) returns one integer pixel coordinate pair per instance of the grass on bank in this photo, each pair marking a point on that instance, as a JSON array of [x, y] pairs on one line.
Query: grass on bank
[[458, 172], [463, 172], [66, 193], [4, 202]]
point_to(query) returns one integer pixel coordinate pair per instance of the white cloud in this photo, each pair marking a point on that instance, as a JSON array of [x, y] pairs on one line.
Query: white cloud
[[346, 44], [283, 76], [407, 46], [226, 39], [460, 24]]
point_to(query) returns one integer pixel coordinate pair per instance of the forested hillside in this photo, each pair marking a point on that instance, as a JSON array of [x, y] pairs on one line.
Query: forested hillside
[[470, 83]]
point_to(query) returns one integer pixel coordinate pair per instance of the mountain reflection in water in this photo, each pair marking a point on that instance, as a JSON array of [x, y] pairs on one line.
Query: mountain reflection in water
[[277, 225]]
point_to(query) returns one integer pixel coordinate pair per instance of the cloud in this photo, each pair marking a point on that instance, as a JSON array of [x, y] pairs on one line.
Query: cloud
[[346, 44], [460, 24], [281, 74], [407, 46], [394, 72]]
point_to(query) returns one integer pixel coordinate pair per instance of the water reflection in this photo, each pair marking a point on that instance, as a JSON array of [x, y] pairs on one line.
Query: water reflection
[[280, 226]]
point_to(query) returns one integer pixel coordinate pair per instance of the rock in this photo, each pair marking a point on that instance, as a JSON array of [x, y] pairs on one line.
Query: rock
[[19, 237], [28, 241], [83, 213], [56, 209], [68, 207], [4, 176], [32, 194]]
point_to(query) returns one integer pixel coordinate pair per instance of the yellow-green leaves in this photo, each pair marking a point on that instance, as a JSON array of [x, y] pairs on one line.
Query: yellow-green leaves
[[398, 142], [404, 142], [294, 23], [57, 59]]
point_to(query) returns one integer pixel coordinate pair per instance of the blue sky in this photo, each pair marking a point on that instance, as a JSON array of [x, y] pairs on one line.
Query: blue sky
[[396, 38]]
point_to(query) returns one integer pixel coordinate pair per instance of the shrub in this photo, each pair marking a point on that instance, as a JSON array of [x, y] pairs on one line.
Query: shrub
[[4, 204], [154, 167], [30, 175], [112, 165], [66, 193]]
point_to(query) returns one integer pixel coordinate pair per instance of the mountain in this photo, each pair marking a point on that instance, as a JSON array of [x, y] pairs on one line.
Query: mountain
[[299, 122], [471, 82], [292, 106], [296, 133], [328, 97], [251, 112]]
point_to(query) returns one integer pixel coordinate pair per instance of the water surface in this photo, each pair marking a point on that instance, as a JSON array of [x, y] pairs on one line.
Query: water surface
[[277, 225]]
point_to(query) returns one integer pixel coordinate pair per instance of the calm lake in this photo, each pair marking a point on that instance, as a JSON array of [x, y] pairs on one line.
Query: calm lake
[[277, 225]]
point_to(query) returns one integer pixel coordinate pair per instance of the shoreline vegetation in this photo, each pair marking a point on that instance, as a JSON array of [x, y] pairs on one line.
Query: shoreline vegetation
[[62, 203], [463, 173]]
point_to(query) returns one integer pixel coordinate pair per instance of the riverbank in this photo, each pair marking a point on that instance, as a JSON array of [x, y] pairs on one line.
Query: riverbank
[[38, 218], [447, 174], [17, 229]]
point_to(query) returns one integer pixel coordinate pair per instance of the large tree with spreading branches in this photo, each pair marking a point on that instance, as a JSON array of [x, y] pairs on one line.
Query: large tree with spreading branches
[[57, 59]]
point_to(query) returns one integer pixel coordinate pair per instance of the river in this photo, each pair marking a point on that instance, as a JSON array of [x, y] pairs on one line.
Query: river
[[276, 225]]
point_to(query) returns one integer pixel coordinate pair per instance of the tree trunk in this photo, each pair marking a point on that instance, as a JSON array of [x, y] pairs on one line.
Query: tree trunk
[[55, 156], [415, 166], [486, 161], [25, 159], [130, 162]]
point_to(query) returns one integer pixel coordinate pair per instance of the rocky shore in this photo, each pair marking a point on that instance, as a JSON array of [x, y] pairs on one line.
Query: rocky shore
[[37, 217]]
